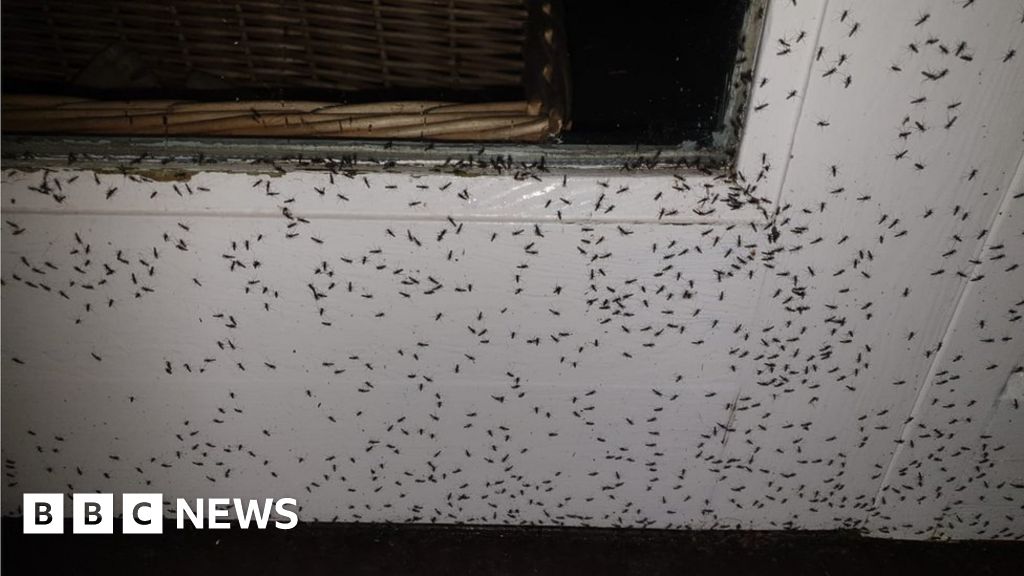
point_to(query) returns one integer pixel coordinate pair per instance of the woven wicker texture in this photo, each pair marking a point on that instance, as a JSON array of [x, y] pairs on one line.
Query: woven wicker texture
[[346, 45], [113, 48], [392, 120]]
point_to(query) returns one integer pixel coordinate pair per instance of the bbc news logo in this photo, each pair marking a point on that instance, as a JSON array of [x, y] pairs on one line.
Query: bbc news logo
[[142, 513]]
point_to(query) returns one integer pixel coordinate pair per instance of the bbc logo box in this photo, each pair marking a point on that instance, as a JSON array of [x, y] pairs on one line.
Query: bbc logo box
[[92, 513], [43, 513]]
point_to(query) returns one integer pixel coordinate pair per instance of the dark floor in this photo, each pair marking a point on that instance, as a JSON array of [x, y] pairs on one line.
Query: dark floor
[[419, 549]]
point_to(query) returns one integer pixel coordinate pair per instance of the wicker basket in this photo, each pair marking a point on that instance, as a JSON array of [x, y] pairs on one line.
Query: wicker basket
[[345, 49]]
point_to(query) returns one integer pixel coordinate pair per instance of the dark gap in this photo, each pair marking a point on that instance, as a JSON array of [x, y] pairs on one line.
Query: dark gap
[[652, 72]]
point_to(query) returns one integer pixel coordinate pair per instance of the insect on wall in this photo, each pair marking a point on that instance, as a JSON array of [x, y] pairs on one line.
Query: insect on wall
[[826, 336]]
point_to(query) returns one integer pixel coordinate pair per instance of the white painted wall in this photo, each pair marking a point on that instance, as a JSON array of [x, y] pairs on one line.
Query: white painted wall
[[810, 348]]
